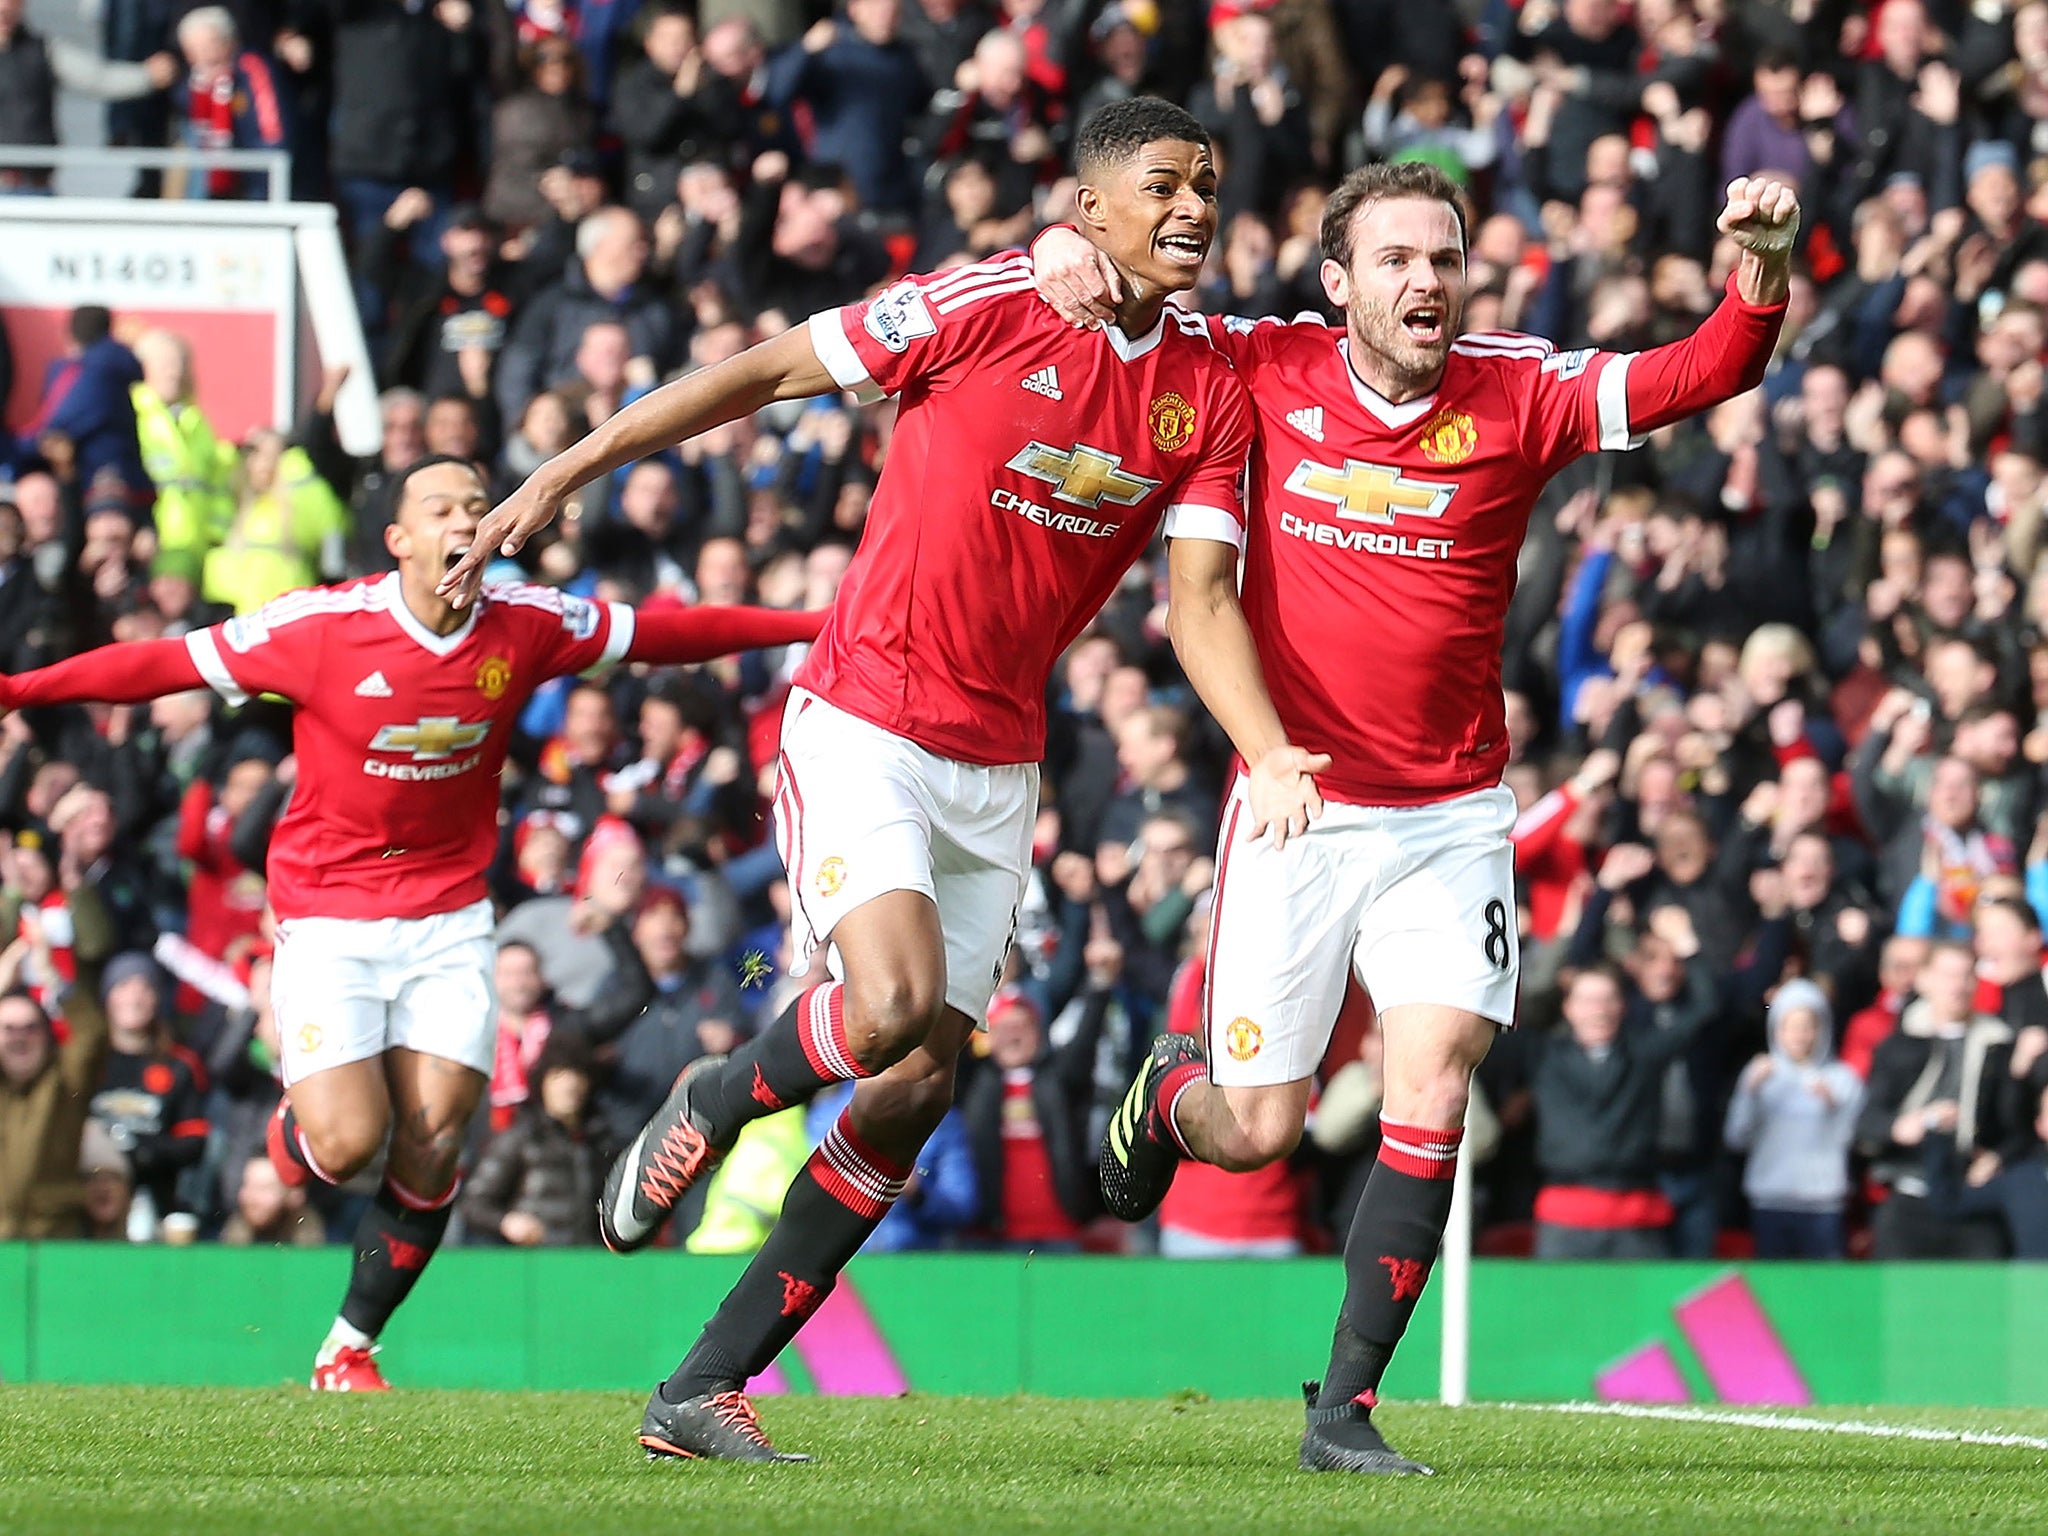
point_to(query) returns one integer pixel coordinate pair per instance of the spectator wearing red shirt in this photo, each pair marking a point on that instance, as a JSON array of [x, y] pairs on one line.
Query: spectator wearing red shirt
[[1026, 1113], [1897, 963], [224, 899]]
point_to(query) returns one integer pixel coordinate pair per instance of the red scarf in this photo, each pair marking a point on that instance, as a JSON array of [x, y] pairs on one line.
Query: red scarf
[[213, 124]]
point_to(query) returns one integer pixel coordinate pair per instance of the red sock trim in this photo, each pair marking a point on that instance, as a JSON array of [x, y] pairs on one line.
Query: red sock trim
[[413, 1201], [1420, 1151], [1171, 1087], [854, 1174], [821, 1029]]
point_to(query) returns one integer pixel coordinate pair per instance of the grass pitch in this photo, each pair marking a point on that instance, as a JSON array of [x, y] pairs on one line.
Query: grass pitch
[[162, 1461]]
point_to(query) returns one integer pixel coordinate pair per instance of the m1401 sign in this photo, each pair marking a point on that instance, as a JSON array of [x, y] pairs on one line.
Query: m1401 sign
[[115, 264], [229, 291], [97, 267]]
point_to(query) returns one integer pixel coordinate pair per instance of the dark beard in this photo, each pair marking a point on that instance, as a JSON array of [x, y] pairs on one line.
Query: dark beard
[[1412, 370]]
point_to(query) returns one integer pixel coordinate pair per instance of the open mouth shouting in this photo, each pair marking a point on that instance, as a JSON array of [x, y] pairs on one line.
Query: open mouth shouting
[[1183, 249], [1424, 324]]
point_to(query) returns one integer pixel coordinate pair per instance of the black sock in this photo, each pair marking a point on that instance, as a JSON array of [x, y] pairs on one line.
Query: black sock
[[396, 1237], [1394, 1240], [839, 1197], [803, 1051]]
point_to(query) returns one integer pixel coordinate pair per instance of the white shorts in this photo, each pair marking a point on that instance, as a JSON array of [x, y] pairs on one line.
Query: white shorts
[[346, 989], [1418, 902], [861, 812]]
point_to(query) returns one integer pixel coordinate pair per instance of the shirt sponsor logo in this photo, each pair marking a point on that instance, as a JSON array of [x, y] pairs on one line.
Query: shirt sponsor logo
[[1173, 422], [1045, 517], [1370, 493], [1449, 437], [435, 736], [899, 316], [1084, 476], [1365, 540], [419, 773]]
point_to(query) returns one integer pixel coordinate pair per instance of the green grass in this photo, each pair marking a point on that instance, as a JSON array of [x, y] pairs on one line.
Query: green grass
[[153, 1461]]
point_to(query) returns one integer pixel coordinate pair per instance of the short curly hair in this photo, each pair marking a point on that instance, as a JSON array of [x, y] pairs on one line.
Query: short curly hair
[[1376, 184], [1119, 130]]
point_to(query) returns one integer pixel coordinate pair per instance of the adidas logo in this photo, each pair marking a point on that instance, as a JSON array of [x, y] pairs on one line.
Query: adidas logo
[[1045, 382], [1308, 421], [373, 687]]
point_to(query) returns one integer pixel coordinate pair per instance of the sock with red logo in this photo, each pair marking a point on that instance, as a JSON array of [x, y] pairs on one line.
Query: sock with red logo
[[803, 1051], [1393, 1242], [841, 1196], [394, 1240]]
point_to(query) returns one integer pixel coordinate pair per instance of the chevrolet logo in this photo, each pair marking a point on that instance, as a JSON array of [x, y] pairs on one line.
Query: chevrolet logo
[[1370, 493], [1085, 476], [435, 736]]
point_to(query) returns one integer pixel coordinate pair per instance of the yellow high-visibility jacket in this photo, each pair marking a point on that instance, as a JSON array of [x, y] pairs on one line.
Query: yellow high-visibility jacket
[[291, 536], [193, 470]]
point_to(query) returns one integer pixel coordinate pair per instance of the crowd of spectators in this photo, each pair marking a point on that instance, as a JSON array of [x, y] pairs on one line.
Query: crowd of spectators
[[1777, 679]]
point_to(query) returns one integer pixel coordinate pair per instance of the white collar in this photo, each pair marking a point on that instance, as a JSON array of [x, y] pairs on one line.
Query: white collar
[[1389, 414], [393, 598], [1129, 350]]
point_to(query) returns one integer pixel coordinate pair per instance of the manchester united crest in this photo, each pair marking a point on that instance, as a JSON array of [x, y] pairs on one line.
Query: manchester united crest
[[1243, 1039], [1449, 437], [1173, 422], [831, 876], [494, 677], [310, 1038]]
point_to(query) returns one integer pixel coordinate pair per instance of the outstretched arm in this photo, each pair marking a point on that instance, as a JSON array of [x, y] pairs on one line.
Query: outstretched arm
[[785, 368], [683, 636], [1214, 645], [1728, 354], [132, 672]]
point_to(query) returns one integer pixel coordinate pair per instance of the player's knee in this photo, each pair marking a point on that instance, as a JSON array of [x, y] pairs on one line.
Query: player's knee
[[1268, 1139], [1266, 1130], [343, 1149], [425, 1155], [889, 1016]]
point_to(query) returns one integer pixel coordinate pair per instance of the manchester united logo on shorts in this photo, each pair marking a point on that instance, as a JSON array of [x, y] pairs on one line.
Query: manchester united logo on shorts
[[494, 677], [831, 876], [1449, 437], [1243, 1039], [309, 1038], [1173, 422]]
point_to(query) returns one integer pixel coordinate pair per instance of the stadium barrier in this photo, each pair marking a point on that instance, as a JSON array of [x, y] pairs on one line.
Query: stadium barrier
[[1790, 1334]]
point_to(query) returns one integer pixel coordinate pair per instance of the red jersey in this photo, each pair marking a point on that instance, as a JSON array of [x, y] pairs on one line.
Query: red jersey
[[400, 733], [1031, 464], [1383, 538]]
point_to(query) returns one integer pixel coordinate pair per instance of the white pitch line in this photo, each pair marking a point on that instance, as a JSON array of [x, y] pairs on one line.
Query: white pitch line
[[1784, 1421]]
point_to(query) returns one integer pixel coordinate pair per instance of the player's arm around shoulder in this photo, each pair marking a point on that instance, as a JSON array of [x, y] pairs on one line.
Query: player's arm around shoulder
[[785, 367], [1215, 646]]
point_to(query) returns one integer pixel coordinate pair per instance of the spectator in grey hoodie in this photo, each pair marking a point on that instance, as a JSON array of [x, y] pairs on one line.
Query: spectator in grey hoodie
[[1794, 1112]]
